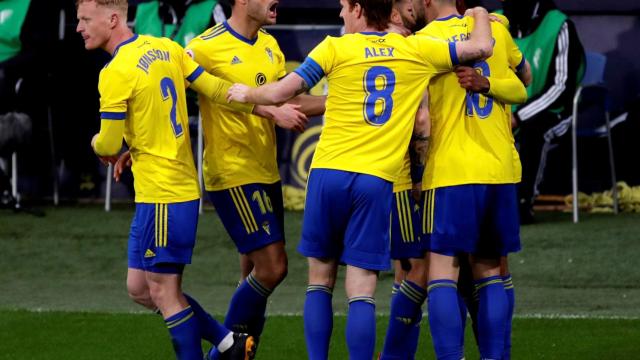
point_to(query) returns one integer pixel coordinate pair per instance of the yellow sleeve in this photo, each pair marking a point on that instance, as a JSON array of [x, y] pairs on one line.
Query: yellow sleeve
[[324, 54], [115, 90], [514, 55], [195, 62], [509, 90], [196, 50], [216, 90], [438, 54]]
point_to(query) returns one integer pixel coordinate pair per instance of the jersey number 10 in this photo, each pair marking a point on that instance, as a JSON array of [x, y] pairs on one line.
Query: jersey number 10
[[474, 104]]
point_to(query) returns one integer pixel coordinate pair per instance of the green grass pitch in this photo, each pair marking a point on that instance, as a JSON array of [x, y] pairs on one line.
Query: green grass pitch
[[63, 296]]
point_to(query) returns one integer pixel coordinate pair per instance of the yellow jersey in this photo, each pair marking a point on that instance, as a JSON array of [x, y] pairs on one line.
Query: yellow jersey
[[471, 138], [239, 148], [376, 81], [144, 86]]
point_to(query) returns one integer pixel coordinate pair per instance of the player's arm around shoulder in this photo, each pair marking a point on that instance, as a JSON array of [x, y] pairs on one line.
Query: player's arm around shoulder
[[307, 75], [480, 44]]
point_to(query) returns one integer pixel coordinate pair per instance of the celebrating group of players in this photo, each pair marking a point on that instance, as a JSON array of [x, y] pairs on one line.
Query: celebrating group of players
[[391, 98]]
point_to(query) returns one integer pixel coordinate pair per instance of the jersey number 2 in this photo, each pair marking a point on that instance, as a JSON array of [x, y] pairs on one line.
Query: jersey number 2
[[169, 89], [475, 100], [375, 95]]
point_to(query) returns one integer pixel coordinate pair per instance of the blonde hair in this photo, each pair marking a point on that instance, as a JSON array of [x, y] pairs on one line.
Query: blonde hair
[[120, 5]]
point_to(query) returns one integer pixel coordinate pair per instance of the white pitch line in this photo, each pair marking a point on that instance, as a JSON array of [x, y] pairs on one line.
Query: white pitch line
[[298, 314]]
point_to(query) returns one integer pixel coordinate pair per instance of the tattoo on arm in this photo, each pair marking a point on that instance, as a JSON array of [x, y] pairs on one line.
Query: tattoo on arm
[[418, 149], [303, 87]]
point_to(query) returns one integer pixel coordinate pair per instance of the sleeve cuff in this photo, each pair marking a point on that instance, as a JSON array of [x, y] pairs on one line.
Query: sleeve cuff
[[113, 115], [310, 71], [454, 54], [195, 74]]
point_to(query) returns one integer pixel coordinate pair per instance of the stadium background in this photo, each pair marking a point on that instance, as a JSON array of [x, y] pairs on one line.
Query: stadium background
[[62, 293], [60, 82]]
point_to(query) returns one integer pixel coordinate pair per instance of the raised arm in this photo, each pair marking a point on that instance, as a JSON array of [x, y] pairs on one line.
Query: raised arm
[[480, 44]]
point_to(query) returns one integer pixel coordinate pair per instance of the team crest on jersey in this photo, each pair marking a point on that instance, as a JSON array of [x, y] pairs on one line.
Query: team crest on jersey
[[261, 79], [270, 54]]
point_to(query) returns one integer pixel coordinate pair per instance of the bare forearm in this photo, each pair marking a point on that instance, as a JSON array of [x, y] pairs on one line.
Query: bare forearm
[[310, 105], [525, 75], [278, 92], [419, 144]]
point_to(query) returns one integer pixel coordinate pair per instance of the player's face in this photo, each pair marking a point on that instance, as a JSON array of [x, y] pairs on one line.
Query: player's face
[[94, 24], [263, 11]]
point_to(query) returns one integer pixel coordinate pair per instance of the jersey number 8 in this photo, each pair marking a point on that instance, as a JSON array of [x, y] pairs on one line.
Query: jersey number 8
[[375, 95]]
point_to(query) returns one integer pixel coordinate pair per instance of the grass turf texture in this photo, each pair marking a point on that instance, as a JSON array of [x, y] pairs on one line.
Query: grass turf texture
[[74, 260]]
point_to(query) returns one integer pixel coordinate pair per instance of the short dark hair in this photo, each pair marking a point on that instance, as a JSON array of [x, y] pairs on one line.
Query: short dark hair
[[378, 12]]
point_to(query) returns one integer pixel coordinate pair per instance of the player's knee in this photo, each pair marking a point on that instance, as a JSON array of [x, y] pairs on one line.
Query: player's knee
[[273, 274], [141, 297], [139, 293]]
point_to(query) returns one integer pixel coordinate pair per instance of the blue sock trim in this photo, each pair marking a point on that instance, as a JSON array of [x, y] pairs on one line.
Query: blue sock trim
[[441, 283], [479, 284], [323, 288], [259, 288], [177, 319], [507, 281], [367, 299], [394, 288], [414, 292]]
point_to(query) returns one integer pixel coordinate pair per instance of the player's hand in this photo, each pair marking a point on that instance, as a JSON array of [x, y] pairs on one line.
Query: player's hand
[[123, 162], [238, 92], [475, 10], [514, 121], [288, 116], [471, 80], [416, 192]]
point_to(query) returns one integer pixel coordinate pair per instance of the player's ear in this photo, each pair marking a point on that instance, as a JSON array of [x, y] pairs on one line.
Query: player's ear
[[358, 9], [114, 19]]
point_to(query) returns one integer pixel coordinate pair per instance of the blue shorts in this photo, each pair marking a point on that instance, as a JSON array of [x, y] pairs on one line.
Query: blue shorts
[[407, 242], [162, 236], [253, 214], [479, 219], [346, 217]]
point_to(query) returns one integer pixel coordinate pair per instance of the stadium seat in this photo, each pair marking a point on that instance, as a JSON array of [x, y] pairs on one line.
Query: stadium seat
[[590, 118]]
